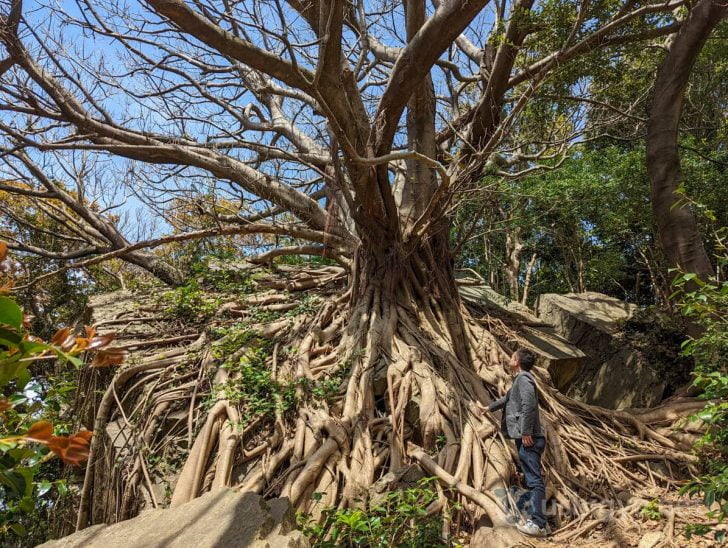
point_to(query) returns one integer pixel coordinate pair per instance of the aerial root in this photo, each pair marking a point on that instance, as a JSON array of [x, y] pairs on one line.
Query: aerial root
[[404, 399]]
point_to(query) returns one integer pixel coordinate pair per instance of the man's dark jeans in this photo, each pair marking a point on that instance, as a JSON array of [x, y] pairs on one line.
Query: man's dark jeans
[[531, 466]]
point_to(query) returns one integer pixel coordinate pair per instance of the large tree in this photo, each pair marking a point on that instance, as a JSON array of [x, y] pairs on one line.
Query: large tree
[[677, 227], [353, 129]]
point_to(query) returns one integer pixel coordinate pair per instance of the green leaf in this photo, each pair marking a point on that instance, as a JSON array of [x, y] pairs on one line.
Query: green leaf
[[43, 487], [6, 446], [9, 338], [27, 474], [20, 453], [10, 313], [34, 347], [22, 377], [26, 505], [8, 370], [18, 529], [14, 481]]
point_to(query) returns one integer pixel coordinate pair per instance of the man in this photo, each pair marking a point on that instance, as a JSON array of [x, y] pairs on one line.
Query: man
[[521, 422]]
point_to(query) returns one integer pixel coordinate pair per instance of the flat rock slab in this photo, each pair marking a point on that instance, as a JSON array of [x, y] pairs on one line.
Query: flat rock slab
[[224, 518], [573, 312]]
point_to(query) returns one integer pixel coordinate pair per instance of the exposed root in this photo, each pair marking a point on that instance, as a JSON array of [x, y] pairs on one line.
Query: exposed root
[[401, 389]]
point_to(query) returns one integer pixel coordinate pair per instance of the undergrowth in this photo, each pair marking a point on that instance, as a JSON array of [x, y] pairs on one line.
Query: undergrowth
[[706, 304], [399, 519]]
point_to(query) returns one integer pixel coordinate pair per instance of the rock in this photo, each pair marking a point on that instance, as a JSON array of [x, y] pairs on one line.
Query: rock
[[614, 374], [583, 311], [487, 536], [650, 540], [224, 518], [404, 478], [554, 353], [563, 360]]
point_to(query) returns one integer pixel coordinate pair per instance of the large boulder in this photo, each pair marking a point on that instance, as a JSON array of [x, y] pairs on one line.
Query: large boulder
[[221, 519], [615, 373], [554, 353]]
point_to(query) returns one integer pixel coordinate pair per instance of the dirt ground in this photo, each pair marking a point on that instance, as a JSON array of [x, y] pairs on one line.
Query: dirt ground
[[639, 532], [643, 532]]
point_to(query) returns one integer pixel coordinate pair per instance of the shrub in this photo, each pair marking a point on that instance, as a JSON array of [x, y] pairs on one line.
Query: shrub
[[706, 303], [399, 519], [27, 439]]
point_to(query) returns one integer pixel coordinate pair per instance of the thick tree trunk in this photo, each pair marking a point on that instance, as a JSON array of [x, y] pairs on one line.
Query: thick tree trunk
[[677, 227], [156, 266]]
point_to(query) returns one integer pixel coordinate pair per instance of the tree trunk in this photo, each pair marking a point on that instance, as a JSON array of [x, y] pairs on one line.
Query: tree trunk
[[677, 227], [527, 281], [514, 246], [156, 266]]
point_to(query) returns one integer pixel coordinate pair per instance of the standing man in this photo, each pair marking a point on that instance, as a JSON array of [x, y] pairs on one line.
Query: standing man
[[521, 422]]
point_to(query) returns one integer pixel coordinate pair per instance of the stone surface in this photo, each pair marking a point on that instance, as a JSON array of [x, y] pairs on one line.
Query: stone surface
[[650, 540], [614, 375], [554, 353], [224, 518]]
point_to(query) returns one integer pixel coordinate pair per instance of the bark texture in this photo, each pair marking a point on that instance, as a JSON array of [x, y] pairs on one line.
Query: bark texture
[[677, 227]]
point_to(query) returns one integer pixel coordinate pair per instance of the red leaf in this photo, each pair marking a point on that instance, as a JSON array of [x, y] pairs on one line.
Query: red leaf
[[81, 343], [58, 444], [41, 431], [3, 251], [64, 339], [101, 341], [73, 450], [68, 343], [84, 435], [61, 336], [109, 356]]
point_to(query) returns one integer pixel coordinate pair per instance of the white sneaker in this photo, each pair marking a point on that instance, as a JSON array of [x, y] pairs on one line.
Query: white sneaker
[[531, 529]]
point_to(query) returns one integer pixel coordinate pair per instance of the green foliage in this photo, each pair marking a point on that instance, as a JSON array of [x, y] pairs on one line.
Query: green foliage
[[698, 529], [32, 430], [706, 303], [588, 223], [308, 303], [190, 302], [251, 385], [651, 510], [399, 519], [212, 272], [24, 488], [316, 260]]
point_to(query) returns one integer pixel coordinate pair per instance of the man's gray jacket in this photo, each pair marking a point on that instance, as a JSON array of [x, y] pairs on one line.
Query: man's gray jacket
[[520, 417]]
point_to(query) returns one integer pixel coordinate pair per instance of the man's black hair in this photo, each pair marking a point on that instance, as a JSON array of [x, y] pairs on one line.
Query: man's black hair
[[525, 358]]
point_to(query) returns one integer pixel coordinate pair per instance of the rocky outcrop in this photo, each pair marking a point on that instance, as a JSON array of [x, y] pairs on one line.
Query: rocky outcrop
[[221, 519], [562, 359], [615, 374]]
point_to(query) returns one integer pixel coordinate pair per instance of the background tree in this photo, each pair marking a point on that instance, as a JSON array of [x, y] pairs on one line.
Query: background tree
[[677, 226], [609, 221]]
